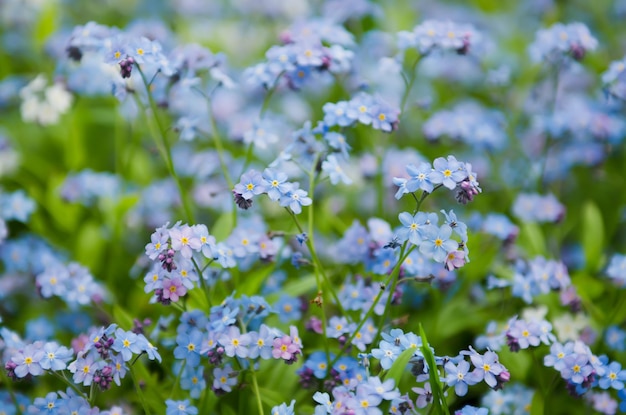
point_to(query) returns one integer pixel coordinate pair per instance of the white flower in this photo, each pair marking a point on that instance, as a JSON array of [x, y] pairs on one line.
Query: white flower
[[44, 105]]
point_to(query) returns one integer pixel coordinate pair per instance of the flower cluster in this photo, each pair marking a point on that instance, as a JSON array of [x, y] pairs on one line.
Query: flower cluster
[[538, 276], [224, 337], [469, 123], [582, 370], [72, 282], [101, 361], [614, 79], [303, 54], [435, 34], [88, 186], [447, 172], [456, 370], [561, 42], [43, 104], [616, 269], [16, 206], [363, 108], [275, 185], [533, 207]]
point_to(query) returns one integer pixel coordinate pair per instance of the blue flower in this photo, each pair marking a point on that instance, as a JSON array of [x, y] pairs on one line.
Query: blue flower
[[288, 308], [224, 378], [419, 177], [338, 142], [295, 198], [337, 114], [283, 409], [251, 184], [615, 338], [414, 226], [384, 117], [437, 242], [387, 353], [188, 347], [192, 380], [55, 357], [180, 408], [275, 183], [457, 376], [448, 172], [126, 342], [334, 170], [613, 377]]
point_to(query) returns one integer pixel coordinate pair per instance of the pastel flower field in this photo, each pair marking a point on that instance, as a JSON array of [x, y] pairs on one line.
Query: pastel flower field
[[346, 207]]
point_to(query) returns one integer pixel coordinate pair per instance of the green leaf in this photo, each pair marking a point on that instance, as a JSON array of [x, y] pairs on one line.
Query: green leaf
[[301, 285], [435, 383], [271, 397], [46, 24], [532, 240], [537, 405], [90, 245], [251, 282], [222, 227], [397, 369], [122, 318], [592, 236]]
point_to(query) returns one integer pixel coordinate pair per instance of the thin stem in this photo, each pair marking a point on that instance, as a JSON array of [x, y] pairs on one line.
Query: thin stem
[[202, 282], [165, 146], [177, 382], [541, 182], [7, 382], [394, 274], [394, 283], [311, 245], [65, 380], [92, 394], [318, 264], [257, 393], [409, 84], [425, 194], [255, 384], [142, 398], [268, 96]]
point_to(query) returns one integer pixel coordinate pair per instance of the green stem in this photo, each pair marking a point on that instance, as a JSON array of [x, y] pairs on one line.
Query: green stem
[[202, 282], [541, 182], [92, 394], [165, 146], [318, 267], [318, 264], [65, 380], [142, 398], [257, 393], [393, 276], [217, 139], [177, 381], [8, 383], [394, 283], [409, 84], [268, 96], [255, 384]]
